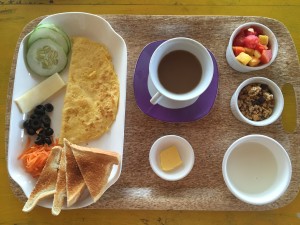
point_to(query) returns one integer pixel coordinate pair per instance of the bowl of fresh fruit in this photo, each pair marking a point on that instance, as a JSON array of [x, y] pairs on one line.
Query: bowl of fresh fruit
[[252, 46]]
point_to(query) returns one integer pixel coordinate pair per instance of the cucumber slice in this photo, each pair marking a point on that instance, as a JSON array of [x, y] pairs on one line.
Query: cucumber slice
[[45, 57], [57, 29], [47, 33]]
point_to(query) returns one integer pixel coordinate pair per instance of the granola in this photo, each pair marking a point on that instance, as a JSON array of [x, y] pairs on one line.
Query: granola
[[256, 102]]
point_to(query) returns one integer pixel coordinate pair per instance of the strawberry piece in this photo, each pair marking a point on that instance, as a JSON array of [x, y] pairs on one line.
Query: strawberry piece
[[251, 41], [258, 31], [237, 50], [266, 56], [239, 39]]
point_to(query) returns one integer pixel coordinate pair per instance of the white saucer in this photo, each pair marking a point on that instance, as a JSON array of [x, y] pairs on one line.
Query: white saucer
[[166, 102]]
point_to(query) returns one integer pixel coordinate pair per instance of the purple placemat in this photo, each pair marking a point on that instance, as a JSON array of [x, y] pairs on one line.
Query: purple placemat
[[197, 110]]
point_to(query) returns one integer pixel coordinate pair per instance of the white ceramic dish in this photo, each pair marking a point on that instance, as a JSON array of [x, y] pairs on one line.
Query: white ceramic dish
[[74, 24], [257, 169], [230, 57], [278, 97], [203, 57], [185, 151]]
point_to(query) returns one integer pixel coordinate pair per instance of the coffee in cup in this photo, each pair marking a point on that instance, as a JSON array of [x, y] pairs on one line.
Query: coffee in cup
[[180, 70]]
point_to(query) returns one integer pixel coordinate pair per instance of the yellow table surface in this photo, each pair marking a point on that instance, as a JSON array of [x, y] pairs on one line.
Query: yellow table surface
[[14, 15]]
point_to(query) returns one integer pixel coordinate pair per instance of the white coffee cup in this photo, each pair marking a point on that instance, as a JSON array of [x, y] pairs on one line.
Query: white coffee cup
[[182, 99]]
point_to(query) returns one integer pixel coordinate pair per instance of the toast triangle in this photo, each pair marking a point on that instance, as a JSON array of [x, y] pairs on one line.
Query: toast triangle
[[45, 185], [60, 189], [95, 166], [74, 181]]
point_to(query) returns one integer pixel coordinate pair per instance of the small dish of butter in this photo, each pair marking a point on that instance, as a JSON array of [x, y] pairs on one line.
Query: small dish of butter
[[171, 157]]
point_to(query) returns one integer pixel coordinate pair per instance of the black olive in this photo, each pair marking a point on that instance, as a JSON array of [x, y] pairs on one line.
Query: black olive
[[49, 107], [30, 131], [48, 131], [39, 124], [42, 132], [48, 140], [35, 124], [46, 120], [40, 110], [34, 116], [39, 140], [26, 124]]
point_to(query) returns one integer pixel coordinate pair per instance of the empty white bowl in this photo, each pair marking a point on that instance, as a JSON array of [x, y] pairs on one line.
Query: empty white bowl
[[278, 97], [185, 151], [257, 169], [234, 63]]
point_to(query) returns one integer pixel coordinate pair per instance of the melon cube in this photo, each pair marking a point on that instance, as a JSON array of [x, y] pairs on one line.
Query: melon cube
[[266, 56], [263, 39], [237, 50], [249, 51], [257, 54], [243, 58], [254, 62]]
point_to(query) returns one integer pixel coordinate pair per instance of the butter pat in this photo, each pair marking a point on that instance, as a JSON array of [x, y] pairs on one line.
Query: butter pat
[[40, 93], [170, 159]]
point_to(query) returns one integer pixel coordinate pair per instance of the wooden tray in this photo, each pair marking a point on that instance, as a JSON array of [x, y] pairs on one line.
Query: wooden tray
[[204, 188]]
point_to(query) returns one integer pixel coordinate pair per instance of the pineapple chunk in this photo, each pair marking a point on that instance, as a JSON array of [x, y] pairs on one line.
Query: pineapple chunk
[[243, 58], [249, 51], [263, 39], [257, 54], [254, 62]]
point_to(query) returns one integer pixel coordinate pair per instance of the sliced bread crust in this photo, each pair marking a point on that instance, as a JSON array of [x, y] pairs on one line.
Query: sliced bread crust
[[95, 166], [60, 189], [46, 182], [74, 181]]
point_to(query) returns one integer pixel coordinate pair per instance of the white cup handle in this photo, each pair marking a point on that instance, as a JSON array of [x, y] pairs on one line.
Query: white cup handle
[[155, 98]]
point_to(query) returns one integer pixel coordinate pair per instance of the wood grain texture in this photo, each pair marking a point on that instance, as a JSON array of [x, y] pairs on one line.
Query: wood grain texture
[[204, 188]]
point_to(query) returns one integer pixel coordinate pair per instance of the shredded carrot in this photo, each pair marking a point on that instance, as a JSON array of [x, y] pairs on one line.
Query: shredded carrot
[[34, 157]]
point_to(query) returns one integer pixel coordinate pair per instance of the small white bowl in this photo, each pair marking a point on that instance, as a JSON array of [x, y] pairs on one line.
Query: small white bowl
[[231, 57], [278, 97], [257, 169], [185, 151]]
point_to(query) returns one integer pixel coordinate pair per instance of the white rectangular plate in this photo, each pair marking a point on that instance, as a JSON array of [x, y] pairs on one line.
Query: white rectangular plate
[[74, 24]]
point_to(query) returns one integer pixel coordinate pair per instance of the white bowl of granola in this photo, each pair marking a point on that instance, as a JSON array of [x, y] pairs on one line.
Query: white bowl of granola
[[257, 101]]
